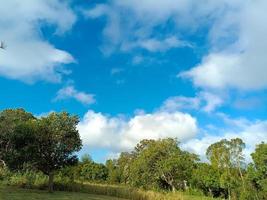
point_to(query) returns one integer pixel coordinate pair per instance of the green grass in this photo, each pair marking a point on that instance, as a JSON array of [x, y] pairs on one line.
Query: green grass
[[89, 191], [11, 193]]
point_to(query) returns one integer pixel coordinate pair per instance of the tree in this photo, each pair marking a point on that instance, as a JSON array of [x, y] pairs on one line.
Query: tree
[[226, 157], [124, 166], [88, 170], [258, 170], [237, 157], [15, 137], [207, 178], [56, 141], [161, 164], [113, 171]]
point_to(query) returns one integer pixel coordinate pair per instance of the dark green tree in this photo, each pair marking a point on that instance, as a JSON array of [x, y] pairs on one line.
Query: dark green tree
[[16, 137], [257, 172], [57, 139], [207, 178]]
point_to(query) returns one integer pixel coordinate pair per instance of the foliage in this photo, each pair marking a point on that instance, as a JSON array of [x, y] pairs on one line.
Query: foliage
[[226, 157], [47, 144], [57, 140], [15, 140], [88, 170], [257, 172], [206, 178], [155, 164]]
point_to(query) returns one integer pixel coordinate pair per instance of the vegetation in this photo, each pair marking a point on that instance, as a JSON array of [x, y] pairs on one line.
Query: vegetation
[[35, 153], [46, 144], [11, 193]]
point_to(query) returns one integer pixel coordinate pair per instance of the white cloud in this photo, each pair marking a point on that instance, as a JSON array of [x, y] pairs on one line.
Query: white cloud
[[156, 45], [204, 101], [236, 35], [29, 57], [70, 92], [252, 134], [180, 103], [248, 103], [212, 101], [130, 24], [137, 60], [44, 114], [240, 64], [115, 71], [120, 134]]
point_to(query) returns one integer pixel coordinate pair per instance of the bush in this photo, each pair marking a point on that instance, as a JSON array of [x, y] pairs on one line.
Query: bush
[[26, 179]]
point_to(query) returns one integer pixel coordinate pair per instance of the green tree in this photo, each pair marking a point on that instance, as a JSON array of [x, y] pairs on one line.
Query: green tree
[[124, 163], [113, 171], [161, 164], [227, 158], [57, 139], [258, 171], [207, 178], [88, 170], [15, 137]]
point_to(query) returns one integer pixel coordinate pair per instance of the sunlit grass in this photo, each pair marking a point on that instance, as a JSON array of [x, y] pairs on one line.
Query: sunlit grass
[[88, 191], [11, 193]]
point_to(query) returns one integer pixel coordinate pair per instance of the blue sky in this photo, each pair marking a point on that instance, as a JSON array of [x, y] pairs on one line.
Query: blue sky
[[194, 70]]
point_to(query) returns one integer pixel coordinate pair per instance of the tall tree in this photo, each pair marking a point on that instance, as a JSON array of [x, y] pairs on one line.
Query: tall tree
[[207, 178], [161, 163], [15, 137], [226, 157], [57, 141], [259, 170], [237, 157]]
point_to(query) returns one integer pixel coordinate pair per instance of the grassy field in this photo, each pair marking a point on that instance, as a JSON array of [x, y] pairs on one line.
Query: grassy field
[[11, 193]]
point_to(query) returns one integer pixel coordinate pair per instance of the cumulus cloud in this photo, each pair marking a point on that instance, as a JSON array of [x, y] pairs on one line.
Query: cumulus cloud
[[29, 57], [70, 92], [251, 133], [242, 63], [120, 134]]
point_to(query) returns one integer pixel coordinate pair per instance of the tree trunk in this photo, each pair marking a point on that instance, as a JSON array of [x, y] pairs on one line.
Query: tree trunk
[[242, 178], [51, 182], [173, 188]]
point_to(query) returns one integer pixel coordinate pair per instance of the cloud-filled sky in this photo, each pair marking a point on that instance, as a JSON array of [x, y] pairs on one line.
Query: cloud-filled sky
[[194, 70]]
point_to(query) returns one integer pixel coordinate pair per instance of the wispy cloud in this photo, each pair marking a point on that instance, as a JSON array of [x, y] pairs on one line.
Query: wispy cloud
[[205, 101], [115, 71], [69, 92]]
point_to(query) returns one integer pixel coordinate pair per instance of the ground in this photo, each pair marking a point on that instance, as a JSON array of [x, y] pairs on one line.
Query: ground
[[21, 194]]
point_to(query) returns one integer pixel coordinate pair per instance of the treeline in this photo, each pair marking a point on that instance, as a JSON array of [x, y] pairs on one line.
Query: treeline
[[162, 165], [48, 144]]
